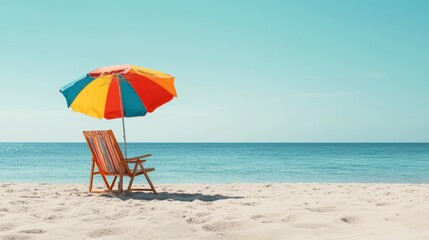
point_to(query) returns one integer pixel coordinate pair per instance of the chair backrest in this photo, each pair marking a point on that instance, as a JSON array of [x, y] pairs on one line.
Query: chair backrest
[[106, 152]]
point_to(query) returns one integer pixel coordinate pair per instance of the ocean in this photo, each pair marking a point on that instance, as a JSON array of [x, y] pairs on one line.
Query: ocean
[[228, 162]]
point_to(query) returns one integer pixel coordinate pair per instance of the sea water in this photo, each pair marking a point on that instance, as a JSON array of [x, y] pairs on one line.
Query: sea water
[[228, 162]]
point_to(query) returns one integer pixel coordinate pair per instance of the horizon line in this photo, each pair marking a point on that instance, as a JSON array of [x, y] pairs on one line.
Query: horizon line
[[322, 142]]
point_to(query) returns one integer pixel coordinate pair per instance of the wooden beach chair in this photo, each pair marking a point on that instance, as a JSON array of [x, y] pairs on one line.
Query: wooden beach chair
[[108, 158]]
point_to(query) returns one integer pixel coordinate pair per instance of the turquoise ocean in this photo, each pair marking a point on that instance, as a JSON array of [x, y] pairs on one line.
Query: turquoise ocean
[[228, 162]]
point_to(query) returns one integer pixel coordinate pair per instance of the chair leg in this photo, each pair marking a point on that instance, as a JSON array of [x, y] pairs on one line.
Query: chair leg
[[148, 179], [105, 181], [91, 180], [121, 182], [113, 183], [150, 183], [132, 179], [129, 186], [91, 175]]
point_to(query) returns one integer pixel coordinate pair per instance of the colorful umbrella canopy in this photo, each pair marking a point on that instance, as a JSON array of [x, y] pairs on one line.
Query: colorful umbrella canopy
[[119, 91]]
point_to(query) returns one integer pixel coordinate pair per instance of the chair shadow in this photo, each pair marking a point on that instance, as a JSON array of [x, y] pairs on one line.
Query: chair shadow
[[183, 197]]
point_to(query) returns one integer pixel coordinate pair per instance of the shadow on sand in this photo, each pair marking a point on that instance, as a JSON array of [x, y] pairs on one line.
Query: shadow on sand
[[183, 197]]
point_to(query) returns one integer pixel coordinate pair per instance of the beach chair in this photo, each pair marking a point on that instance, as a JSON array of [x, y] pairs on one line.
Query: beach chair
[[108, 158]]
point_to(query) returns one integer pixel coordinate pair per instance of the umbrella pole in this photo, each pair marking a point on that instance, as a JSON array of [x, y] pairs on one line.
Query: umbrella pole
[[125, 137], [118, 78]]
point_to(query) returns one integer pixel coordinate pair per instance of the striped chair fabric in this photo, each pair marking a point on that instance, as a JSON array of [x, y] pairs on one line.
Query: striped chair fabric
[[108, 158]]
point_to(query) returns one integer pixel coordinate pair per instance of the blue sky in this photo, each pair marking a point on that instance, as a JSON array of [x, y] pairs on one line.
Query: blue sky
[[276, 71]]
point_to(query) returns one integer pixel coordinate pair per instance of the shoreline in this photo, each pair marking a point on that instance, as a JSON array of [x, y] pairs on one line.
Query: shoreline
[[217, 211]]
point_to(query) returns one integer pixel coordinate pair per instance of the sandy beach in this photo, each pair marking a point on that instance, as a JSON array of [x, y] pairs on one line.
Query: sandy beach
[[216, 211]]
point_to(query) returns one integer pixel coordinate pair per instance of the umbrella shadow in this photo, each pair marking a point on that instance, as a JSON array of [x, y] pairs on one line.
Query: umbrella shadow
[[166, 196]]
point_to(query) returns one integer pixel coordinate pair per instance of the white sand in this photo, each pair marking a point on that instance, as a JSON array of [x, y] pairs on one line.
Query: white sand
[[235, 211]]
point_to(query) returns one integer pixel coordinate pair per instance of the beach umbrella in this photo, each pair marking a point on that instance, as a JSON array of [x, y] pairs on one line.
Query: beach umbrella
[[119, 91]]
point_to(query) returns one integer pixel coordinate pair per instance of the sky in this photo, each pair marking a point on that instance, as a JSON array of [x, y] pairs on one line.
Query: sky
[[246, 71]]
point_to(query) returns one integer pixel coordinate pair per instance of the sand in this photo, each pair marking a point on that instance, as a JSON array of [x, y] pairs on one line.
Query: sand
[[215, 211]]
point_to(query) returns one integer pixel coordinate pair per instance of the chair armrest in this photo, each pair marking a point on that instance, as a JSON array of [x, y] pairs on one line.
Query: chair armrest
[[134, 160], [139, 157]]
